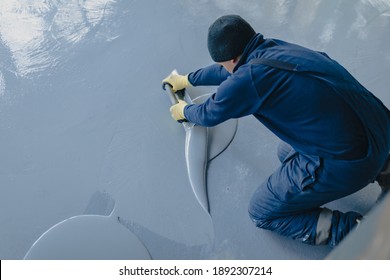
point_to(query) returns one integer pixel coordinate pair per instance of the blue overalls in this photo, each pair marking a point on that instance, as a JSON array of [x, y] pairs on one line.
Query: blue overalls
[[305, 182], [335, 134]]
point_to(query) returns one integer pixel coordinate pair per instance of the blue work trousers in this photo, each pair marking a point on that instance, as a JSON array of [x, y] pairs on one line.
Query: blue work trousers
[[289, 201]]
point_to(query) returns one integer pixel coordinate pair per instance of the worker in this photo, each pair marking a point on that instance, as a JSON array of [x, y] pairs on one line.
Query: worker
[[335, 134]]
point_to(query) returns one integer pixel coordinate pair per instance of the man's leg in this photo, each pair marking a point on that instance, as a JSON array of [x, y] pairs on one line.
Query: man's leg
[[289, 202]]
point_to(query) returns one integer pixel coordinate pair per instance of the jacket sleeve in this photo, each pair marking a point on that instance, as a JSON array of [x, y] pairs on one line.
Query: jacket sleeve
[[212, 75], [236, 97]]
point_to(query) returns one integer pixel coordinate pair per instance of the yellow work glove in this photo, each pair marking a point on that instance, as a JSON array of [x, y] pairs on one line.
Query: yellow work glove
[[177, 110], [177, 81]]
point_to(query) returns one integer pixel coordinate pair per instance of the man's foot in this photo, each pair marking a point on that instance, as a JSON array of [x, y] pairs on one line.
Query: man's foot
[[342, 224], [383, 178]]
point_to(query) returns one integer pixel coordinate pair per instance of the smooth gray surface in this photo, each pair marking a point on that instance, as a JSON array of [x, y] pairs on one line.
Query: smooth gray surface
[[82, 111]]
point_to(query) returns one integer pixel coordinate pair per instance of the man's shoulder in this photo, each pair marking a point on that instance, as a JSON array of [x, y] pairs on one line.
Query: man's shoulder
[[239, 81]]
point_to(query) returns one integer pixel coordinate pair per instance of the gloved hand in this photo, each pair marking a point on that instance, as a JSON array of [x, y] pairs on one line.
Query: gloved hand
[[177, 110], [177, 81]]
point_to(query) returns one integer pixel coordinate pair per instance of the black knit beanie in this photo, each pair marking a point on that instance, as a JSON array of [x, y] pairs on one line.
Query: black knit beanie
[[228, 37]]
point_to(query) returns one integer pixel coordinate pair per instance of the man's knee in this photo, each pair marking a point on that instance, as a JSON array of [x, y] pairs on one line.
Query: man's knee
[[260, 222], [260, 217]]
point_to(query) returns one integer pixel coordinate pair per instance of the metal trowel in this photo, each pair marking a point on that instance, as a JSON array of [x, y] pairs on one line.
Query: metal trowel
[[88, 237], [202, 145]]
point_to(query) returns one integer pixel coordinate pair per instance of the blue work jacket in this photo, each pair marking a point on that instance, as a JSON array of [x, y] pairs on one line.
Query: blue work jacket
[[318, 108]]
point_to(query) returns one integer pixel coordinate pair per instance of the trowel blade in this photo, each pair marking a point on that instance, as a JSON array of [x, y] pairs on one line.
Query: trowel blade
[[196, 159], [202, 145], [220, 136]]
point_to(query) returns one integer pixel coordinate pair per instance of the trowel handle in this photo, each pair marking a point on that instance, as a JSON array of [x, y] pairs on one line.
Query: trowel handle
[[171, 94], [174, 97]]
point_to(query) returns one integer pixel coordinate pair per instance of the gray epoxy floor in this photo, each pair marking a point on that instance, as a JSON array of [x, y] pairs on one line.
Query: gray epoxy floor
[[82, 114]]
